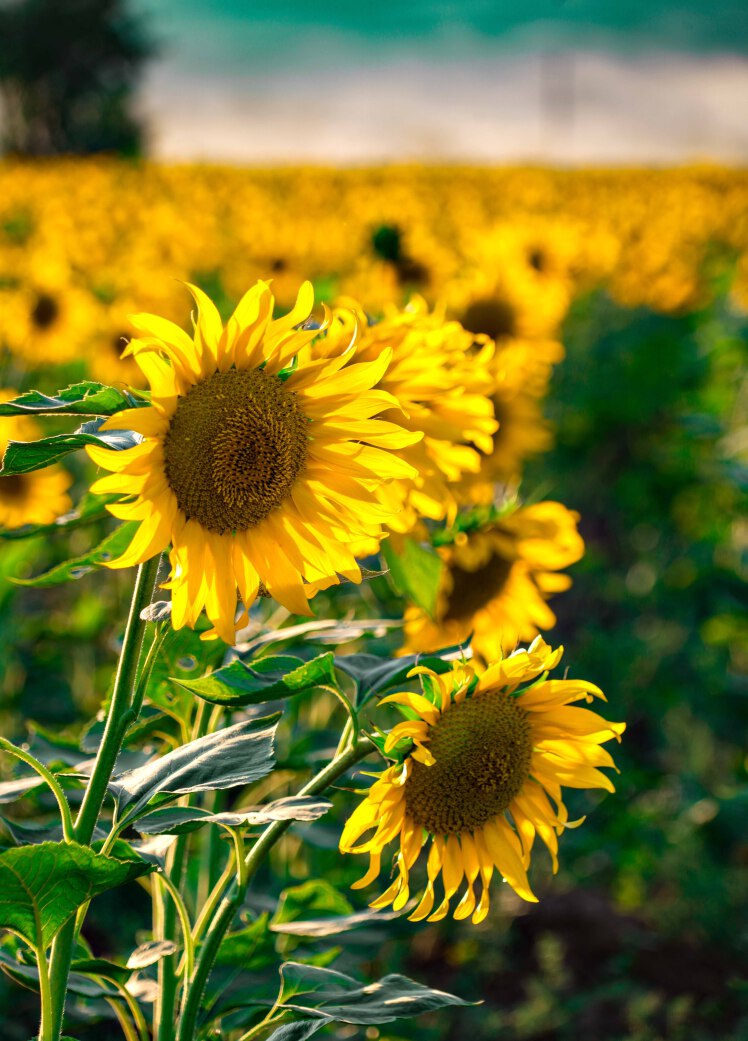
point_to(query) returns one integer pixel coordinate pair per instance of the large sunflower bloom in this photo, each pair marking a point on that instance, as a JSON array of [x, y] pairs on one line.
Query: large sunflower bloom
[[259, 463], [495, 582], [38, 497], [489, 756]]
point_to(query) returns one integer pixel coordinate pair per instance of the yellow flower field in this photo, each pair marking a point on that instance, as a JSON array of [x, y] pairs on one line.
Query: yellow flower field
[[376, 441]]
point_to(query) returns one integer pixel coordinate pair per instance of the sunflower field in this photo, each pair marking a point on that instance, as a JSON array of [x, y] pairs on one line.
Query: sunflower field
[[373, 629]]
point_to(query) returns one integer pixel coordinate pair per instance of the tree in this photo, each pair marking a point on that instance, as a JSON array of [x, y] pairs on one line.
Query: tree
[[67, 73]]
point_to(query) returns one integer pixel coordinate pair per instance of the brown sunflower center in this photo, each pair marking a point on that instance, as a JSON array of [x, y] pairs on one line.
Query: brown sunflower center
[[234, 449], [492, 317], [472, 590], [45, 311], [482, 749], [12, 487]]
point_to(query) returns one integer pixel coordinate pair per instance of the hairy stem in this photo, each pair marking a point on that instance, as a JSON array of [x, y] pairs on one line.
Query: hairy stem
[[45, 992]]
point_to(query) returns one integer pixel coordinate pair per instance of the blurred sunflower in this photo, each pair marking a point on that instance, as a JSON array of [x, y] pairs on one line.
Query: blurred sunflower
[[260, 464], [47, 322], [495, 582], [521, 371], [487, 759], [107, 360], [37, 497], [514, 281], [442, 386]]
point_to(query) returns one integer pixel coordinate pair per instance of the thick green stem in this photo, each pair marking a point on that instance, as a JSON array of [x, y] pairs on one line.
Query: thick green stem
[[125, 685], [234, 897], [45, 992]]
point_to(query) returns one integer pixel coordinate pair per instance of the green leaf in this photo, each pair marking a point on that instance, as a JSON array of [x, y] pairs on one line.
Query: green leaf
[[183, 656], [289, 808], [179, 820], [71, 570], [325, 631], [251, 947], [173, 820], [80, 399], [42, 886], [415, 572], [319, 928], [266, 679], [300, 907], [29, 833], [101, 967], [312, 897], [238, 755], [11, 791], [298, 1031], [340, 998], [78, 984], [21, 457], [373, 674]]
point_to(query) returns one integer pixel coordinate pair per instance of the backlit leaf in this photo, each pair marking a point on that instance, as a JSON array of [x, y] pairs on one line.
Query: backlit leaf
[[415, 572], [42, 886], [80, 399], [340, 998], [21, 457], [265, 679], [237, 755]]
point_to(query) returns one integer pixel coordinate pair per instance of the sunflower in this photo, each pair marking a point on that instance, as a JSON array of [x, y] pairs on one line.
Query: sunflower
[[488, 755], [259, 463], [47, 321], [38, 497], [513, 282], [495, 582], [520, 371], [105, 351], [442, 378]]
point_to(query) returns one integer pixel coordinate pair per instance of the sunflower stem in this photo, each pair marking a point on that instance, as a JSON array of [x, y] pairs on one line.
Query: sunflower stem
[[46, 1026], [234, 895], [125, 687], [168, 978]]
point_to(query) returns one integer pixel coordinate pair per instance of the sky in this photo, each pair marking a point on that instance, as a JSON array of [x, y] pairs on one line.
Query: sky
[[567, 81]]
